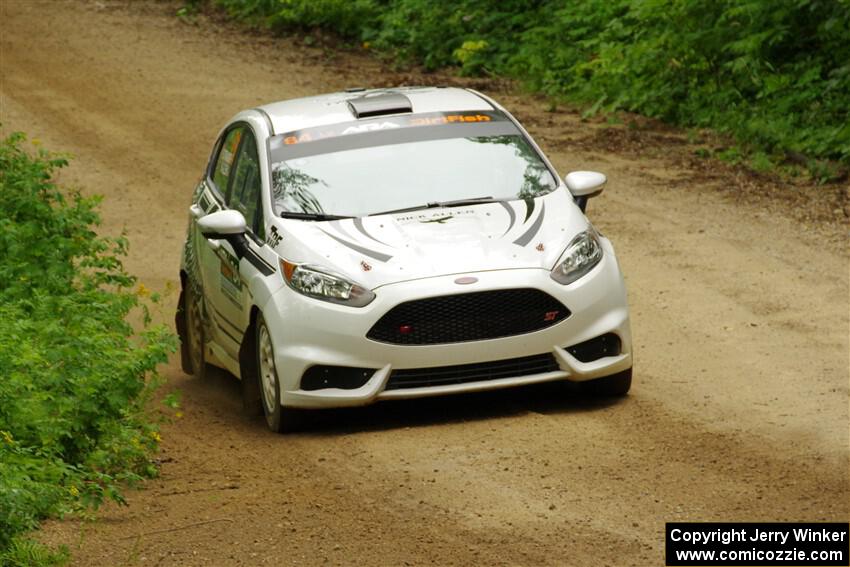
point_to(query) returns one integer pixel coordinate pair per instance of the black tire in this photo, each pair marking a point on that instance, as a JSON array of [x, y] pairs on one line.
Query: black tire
[[252, 402], [613, 385], [278, 418], [180, 325], [195, 338]]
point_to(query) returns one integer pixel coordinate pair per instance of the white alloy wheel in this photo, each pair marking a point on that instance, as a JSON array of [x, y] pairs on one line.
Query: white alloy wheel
[[269, 385], [268, 374], [278, 418]]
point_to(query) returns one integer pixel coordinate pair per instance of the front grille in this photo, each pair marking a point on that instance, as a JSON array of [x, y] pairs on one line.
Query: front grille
[[468, 317], [345, 377], [463, 373], [596, 348]]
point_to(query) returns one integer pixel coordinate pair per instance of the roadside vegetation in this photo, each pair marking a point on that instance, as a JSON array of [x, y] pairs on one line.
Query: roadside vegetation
[[76, 375], [773, 76]]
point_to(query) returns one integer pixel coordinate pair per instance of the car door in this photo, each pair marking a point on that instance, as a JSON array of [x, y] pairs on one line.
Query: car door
[[223, 288], [235, 183], [236, 270]]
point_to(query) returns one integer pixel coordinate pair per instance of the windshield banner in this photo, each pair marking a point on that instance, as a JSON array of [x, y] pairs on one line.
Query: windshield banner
[[386, 130]]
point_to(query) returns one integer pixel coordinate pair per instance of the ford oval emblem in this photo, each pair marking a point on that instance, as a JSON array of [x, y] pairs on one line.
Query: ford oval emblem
[[466, 280]]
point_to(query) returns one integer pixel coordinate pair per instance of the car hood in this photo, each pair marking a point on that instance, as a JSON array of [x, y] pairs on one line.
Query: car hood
[[384, 249]]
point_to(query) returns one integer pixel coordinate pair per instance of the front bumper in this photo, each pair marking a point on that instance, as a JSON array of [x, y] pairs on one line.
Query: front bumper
[[309, 332]]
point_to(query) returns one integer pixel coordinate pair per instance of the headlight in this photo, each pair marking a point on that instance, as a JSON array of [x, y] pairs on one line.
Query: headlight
[[582, 254], [324, 284]]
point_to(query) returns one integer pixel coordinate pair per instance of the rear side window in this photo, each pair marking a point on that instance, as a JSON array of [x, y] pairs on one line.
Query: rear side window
[[224, 160]]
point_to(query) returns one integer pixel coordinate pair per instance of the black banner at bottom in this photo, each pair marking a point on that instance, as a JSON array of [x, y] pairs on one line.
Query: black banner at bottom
[[744, 544]]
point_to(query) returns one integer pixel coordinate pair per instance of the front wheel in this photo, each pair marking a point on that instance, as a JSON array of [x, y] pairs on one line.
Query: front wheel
[[278, 418], [613, 385]]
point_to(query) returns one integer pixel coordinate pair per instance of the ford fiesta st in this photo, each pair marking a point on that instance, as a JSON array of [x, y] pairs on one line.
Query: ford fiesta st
[[397, 243]]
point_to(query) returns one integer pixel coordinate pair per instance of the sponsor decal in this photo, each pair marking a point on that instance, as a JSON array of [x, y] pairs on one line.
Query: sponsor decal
[[273, 237], [409, 121], [361, 128], [229, 280], [438, 220], [448, 119], [434, 217]]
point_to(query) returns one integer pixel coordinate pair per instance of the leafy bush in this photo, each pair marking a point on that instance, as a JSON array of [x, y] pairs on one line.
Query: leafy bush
[[73, 425], [348, 19], [776, 75]]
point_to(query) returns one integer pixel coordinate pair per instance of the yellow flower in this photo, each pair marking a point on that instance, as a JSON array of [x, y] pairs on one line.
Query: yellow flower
[[155, 436], [178, 415], [74, 492], [366, 45], [143, 291]]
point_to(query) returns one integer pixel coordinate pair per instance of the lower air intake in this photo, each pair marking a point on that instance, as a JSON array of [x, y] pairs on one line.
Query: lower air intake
[[478, 372]]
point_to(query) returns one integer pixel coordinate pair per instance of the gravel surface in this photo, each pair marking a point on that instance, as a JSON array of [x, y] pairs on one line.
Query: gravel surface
[[738, 287]]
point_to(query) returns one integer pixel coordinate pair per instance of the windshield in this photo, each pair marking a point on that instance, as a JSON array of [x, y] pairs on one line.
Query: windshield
[[402, 174]]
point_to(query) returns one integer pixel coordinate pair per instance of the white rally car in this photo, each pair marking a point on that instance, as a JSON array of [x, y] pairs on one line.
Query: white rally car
[[383, 244]]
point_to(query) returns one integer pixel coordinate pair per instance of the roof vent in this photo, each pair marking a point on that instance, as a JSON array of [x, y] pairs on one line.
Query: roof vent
[[379, 104]]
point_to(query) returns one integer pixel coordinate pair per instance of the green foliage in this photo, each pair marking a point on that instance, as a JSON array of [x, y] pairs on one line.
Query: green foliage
[[774, 74], [23, 552], [347, 18], [472, 55], [73, 426]]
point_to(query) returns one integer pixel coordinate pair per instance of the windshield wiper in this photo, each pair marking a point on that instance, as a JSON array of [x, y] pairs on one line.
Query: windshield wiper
[[440, 204], [310, 216]]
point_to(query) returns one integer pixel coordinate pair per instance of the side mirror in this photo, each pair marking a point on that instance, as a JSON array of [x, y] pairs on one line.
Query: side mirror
[[222, 225], [226, 225], [585, 184]]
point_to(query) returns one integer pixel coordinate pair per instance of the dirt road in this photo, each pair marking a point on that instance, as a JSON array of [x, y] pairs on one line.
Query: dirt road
[[739, 410]]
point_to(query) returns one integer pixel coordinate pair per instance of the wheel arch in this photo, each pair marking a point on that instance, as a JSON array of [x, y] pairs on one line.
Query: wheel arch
[[247, 360], [180, 325], [251, 402]]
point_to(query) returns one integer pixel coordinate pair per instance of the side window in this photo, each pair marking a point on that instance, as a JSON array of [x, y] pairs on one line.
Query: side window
[[224, 160], [244, 192]]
